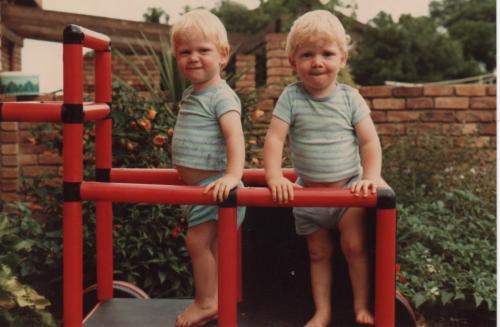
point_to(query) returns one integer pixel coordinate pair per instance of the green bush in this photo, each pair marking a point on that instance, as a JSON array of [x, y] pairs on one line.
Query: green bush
[[446, 228], [20, 304]]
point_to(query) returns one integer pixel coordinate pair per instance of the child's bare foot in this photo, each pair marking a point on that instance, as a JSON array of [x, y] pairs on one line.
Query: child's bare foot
[[319, 320], [196, 315], [364, 317]]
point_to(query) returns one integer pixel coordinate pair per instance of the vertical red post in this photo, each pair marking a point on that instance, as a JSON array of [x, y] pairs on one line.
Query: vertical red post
[[240, 264], [227, 281], [385, 267], [72, 116], [103, 153]]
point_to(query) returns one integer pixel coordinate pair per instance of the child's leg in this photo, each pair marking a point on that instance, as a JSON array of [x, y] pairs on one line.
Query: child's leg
[[320, 254], [353, 242], [199, 242]]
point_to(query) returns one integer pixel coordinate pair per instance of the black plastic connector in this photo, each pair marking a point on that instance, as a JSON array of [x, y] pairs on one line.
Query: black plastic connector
[[386, 198], [72, 113], [71, 191], [73, 35], [231, 200], [102, 175]]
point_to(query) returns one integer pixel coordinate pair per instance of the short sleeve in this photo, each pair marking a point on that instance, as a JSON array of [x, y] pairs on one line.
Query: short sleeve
[[225, 101], [359, 107], [283, 108]]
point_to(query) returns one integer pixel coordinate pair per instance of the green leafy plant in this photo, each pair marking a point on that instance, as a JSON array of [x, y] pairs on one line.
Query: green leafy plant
[[20, 304], [446, 229]]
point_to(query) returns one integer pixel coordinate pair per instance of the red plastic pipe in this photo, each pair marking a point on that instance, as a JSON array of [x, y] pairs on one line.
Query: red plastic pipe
[[228, 285], [96, 111], [239, 260], [72, 173], [72, 152], [251, 177], [104, 215], [94, 40], [102, 76], [72, 264], [256, 197], [306, 197], [144, 193], [146, 176], [257, 177], [32, 111], [103, 153], [73, 73], [385, 267]]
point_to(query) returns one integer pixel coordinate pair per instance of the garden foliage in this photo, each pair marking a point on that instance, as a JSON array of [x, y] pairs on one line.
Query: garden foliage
[[446, 227], [20, 304]]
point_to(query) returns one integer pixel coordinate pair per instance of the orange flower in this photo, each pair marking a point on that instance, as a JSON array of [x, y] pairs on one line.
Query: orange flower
[[170, 132], [151, 114], [257, 114], [32, 140], [253, 142], [160, 139], [146, 124], [130, 145]]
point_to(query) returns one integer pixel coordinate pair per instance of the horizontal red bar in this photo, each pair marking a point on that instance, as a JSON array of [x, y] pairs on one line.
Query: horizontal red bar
[[305, 197], [145, 176], [257, 177], [144, 193], [261, 197], [94, 40], [251, 177], [95, 111], [49, 112]]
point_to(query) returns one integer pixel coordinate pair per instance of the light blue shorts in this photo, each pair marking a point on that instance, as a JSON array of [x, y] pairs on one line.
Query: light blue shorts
[[199, 214], [309, 220]]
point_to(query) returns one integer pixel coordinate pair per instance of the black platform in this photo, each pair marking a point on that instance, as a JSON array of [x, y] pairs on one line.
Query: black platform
[[162, 313]]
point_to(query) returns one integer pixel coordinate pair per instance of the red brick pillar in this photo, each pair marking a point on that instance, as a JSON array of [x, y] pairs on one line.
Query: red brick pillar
[[245, 70], [9, 151], [16, 58]]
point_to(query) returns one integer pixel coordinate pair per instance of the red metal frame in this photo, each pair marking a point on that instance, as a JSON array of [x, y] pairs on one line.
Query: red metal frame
[[103, 157], [141, 185]]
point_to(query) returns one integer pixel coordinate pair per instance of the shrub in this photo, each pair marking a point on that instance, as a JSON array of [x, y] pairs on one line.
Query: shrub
[[20, 305], [446, 228]]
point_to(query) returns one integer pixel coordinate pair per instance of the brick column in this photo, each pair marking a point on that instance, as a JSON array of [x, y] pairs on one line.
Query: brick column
[[16, 58], [9, 150], [245, 70], [279, 72]]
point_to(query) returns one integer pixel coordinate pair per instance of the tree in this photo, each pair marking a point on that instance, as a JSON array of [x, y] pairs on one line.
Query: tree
[[238, 18], [473, 23], [153, 15], [411, 50]]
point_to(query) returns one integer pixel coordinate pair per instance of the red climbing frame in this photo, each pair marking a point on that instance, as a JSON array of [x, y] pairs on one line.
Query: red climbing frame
[[165, 186]]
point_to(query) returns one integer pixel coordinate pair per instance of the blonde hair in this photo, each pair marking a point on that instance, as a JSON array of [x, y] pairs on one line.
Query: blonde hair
[[317, 27], [199, 21]]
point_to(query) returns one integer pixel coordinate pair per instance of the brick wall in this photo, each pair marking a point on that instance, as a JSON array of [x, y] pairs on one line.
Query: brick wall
[[23, 155], [122, 70]]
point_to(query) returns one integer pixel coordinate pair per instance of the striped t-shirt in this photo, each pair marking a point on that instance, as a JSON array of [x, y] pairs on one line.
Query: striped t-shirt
[[198, 140], [322, 137]]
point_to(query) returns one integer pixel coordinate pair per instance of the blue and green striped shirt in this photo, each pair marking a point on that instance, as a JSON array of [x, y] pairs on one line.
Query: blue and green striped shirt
[[198, 140], [322, 138]]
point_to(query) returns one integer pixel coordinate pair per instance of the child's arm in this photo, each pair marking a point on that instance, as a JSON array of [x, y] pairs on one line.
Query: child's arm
[[371, 157], [230, 123], [281, 187]]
